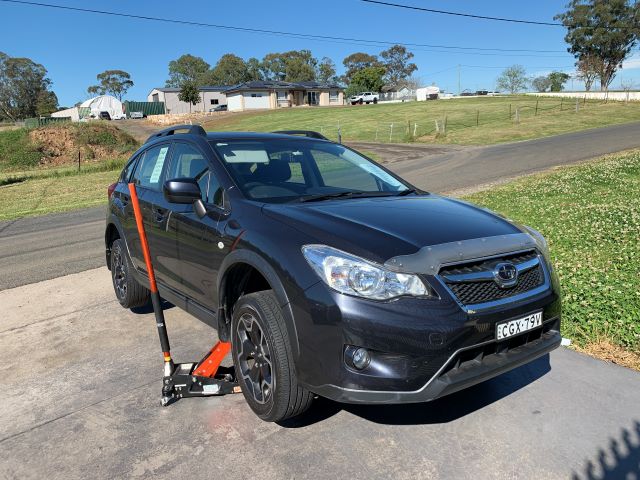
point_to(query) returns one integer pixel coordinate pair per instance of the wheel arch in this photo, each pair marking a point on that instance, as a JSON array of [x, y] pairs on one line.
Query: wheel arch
[[239, 270]]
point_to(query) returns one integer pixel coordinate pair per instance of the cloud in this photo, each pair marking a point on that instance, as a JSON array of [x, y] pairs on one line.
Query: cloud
[[631, 63]]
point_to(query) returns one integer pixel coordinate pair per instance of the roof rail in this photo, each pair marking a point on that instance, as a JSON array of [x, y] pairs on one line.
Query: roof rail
[[191, 129], [304, 133]]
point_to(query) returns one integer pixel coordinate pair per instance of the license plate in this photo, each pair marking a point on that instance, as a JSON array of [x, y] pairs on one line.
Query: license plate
[[518, 326]]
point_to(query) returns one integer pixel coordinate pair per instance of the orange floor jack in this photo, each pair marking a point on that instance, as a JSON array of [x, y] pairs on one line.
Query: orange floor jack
[[181, 380]]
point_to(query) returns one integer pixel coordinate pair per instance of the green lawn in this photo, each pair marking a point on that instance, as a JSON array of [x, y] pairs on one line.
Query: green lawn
[[590, 215], [38, 196], [494, 116]]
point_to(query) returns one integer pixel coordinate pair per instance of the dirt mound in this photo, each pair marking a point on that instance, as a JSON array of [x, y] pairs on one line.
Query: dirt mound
[[96, 141]]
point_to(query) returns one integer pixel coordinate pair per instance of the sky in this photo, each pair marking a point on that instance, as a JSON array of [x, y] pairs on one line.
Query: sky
[[74, 47]]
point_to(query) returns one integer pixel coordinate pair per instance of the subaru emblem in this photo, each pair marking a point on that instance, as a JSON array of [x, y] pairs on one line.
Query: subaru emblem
[[505, 274]]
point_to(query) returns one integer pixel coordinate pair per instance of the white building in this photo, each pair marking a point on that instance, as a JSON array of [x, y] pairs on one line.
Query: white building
[[210, 97]]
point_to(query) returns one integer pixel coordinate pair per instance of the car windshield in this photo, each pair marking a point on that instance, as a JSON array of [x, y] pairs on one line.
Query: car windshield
[[285, 170]]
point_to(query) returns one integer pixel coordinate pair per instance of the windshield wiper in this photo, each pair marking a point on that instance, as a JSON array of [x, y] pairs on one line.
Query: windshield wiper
[[408, 191], [326, 196], [346, 194]]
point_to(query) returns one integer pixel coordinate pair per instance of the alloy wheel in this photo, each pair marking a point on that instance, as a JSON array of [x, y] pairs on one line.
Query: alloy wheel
[[119, 274], [254, 358]]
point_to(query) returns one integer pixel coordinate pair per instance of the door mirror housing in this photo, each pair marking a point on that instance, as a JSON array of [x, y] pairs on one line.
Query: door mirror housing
[[182, 190]]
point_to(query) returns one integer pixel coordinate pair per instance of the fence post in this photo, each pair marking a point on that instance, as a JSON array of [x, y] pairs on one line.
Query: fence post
[[517, 117], [561, 102], [391, 133], [509, 111], [437, 127], [415, 129], [444, 127], [339, 134], [78, 160], [577, 105], [477, 118], [536, 114]]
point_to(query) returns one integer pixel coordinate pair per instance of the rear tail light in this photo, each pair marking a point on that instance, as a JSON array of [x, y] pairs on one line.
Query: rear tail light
[[110, 189]]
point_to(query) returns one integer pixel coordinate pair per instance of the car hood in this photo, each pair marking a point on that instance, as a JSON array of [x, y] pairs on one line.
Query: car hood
[[384, 227]]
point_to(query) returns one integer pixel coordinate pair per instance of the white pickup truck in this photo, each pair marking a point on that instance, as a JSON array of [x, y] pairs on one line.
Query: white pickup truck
[[364, 97]]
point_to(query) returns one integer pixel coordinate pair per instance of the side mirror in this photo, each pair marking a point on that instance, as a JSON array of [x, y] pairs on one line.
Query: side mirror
[[182, 190]]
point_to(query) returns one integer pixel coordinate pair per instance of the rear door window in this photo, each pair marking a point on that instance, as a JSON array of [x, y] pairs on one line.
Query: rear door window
[[150, 168]]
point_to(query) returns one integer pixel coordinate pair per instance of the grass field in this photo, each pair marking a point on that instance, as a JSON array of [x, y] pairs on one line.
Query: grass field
[[590, 215], [469, 121], [37, 196]]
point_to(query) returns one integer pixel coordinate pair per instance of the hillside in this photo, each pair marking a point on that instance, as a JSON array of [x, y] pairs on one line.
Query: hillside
[[58, 146]]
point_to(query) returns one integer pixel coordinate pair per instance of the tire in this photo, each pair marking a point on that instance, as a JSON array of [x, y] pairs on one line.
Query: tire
[[375, 101], [368, 103], [360, 101], [259, 338], [128, 291]]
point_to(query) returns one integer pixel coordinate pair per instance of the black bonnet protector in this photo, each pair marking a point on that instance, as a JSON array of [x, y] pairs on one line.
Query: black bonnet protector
[[429, 260]]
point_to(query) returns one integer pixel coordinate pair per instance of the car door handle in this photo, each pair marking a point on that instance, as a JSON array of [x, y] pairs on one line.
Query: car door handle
[[159, 214]]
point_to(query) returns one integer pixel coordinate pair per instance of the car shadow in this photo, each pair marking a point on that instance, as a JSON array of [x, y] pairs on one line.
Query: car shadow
[[442, 410]]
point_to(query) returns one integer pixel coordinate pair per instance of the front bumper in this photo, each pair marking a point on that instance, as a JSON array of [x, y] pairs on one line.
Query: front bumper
[[420, 349], [466, 367]]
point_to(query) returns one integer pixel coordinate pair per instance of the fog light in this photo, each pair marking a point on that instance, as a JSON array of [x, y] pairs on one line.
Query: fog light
[[361, 358]]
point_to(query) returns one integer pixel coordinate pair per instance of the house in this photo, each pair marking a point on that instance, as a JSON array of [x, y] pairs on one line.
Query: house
[[210, 97], [392, 93], [257, 95]]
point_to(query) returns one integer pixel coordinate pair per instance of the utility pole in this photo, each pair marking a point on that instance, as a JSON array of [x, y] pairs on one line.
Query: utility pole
[[459, 91]]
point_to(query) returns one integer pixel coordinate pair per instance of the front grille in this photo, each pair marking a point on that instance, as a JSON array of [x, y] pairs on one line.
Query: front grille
[[470, 292]]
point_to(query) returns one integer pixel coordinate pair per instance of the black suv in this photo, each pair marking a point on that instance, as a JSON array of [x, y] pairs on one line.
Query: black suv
[[329, 274]]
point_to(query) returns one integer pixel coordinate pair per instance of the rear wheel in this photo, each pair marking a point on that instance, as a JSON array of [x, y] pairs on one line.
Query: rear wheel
[[375, 100], [263, 360], [128, 291]]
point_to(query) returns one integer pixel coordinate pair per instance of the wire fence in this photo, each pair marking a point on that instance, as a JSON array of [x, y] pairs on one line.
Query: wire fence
[[434, 124]]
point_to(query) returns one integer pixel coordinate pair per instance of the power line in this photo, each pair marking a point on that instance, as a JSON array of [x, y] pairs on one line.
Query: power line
[[498, 19], [308, 36], [460, 14]]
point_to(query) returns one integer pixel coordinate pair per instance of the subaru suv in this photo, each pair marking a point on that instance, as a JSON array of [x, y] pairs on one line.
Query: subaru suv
[[330, 275]]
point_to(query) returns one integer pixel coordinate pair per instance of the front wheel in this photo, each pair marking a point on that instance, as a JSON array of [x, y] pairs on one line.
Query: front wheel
[[263, 361]]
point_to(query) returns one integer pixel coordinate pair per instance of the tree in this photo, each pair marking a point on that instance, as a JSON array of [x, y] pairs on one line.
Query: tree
[[326, 71], [254, 69], [541, 83], [291, 66], [112, 82], [47, 103], [24, 88], [189, 93], [587, 68], [187, 68], [368, 79], [513, 79], [397, 65], [606, 30], [230, 70], [557, 81], [356, 62]]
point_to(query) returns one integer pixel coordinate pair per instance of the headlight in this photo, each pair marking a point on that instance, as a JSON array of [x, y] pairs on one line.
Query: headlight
[[540, 241], [355, 276]]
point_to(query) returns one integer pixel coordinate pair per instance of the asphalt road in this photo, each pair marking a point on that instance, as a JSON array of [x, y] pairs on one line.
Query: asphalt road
[[81, 394], [47, 247]]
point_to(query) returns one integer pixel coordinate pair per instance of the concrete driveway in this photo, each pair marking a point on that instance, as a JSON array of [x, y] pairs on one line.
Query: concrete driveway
[[81, 384]]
